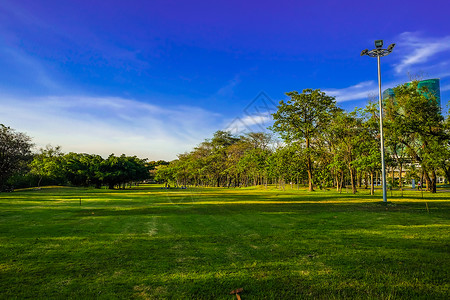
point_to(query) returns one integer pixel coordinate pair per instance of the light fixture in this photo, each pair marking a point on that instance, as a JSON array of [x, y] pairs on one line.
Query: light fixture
[[391, 46], [378, 44]]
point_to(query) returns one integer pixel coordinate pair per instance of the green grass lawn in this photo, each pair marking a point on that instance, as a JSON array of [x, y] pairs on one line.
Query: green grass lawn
[[150, 243]]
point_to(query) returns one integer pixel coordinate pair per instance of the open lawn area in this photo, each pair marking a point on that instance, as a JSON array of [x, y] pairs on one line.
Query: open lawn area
[[201, 243]]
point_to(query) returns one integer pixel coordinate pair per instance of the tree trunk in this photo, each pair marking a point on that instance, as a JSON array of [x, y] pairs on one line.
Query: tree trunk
[[353, 180], [360, 180], [372, 187], [393, 177], [433, 182], [365, 181], [337, 181], [428, 180], [310, 178], [447, 173], [309, 163]]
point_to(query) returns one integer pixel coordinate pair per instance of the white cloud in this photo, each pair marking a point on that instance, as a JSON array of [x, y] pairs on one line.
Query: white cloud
[[28, 67], [228, 89], [104, 125], [421, 56], [418, 50], [358, 91], [445, 88], [256, 119], [249, 123]]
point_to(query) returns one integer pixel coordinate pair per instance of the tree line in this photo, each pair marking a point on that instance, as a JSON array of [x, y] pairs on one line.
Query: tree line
[[20, 167], [322, 145], [318, 144]]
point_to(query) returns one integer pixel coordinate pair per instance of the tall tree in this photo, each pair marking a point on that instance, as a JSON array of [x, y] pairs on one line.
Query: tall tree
[[83, 169], [15, 152], [48, 163], [302, 119], [415, 118], [119, 170], [445, 157], [347, 132]]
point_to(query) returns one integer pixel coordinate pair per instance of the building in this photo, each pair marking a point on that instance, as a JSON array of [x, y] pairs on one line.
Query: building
[[388, 93], [432, 86]]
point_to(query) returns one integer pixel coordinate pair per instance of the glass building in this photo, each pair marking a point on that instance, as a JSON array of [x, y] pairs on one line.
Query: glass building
[[388, 93], [432, 86]]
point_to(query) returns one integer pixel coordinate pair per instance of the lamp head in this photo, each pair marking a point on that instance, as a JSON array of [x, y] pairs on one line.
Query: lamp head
[[364, 52], [379, 44], [391, 46]]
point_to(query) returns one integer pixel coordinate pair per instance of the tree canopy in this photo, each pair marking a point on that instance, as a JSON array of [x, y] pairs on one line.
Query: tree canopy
[[303, 120], [321, 145], [15, 153]]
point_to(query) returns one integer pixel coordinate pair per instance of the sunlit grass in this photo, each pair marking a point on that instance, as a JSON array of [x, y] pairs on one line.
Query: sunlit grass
[[200, 243]]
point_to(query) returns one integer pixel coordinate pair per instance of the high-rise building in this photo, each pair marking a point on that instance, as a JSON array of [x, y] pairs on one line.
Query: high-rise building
[[387, 93], [432, 86]]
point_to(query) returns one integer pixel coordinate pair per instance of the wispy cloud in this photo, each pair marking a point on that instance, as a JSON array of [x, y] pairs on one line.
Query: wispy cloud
[[423, 57], [419, 50], [445, 88], [228, 89], [249, 123], [256, 116], [354, 92], [104, 125], [257, 119], [28, 67]]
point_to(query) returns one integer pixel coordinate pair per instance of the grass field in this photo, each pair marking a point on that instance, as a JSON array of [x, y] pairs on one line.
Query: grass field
[[150, 243]]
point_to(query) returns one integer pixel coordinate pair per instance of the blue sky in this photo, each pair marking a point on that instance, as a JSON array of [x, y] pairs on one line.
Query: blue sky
[[155, 78]]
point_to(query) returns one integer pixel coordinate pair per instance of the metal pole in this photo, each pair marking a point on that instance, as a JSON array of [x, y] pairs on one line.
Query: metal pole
[[383, 168]]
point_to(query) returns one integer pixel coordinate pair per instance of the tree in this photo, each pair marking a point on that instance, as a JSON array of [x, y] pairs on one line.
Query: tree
[[153, 165], [120, 170], [48, 163], [347, 132], [369, 158], [414, 117], [303, 119], [234, 170], [15, 153], [445, 157], [82, 169], [165, 174]]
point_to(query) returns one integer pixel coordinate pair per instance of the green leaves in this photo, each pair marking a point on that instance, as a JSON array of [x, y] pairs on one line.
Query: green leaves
[[119, 170], [303, 119], [303, 116], [48, 163], [414, 120], [15, 153]]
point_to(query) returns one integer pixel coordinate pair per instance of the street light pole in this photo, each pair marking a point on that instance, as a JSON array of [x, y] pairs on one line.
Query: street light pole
[[380, 103], [378, 52]]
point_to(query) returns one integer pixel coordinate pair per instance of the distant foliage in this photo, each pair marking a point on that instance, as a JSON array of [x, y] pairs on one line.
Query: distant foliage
[[50, 166], [321, 146], [325, 146], [120, 170]]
